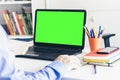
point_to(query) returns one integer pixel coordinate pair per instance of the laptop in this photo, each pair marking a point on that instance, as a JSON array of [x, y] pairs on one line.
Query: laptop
[[56, 32]]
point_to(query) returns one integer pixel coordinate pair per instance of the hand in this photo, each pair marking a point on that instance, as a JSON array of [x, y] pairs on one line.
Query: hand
[[72, 62], [63, 58]]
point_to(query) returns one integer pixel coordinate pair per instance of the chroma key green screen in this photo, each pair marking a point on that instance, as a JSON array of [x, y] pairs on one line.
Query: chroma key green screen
[[59, 27]]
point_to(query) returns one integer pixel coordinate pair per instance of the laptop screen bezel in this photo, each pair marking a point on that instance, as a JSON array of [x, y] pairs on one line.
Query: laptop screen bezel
[[60, 45]]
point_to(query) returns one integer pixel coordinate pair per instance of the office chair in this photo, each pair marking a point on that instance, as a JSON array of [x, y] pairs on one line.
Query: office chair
[[106, 38]]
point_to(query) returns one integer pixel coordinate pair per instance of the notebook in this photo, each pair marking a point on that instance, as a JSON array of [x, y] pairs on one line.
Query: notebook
[[56, 32]]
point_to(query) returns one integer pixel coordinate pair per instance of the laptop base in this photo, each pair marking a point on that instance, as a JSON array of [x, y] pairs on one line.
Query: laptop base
[[44, 53]]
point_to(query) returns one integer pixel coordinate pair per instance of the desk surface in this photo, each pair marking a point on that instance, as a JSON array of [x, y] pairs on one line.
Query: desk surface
[[85, 72]]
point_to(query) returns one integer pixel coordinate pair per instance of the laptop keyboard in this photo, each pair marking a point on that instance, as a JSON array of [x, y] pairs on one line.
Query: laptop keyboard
[[46, 53], [44, 50], [53, 50]]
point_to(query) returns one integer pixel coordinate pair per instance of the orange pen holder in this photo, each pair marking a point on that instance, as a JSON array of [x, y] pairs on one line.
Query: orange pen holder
[[95, 43]]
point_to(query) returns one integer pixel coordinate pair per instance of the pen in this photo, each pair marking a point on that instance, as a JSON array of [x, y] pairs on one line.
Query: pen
[[92, 33], [95, 71], [99, 32]]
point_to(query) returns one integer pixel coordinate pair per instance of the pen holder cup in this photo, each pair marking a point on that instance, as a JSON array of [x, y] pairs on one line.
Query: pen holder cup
[[95, 43]]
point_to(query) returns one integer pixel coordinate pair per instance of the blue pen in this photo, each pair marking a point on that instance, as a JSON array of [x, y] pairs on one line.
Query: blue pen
[[91, 33], [99, 33]]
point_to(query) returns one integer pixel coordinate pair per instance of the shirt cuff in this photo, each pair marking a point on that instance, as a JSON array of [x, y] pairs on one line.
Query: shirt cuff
[[58, 66]]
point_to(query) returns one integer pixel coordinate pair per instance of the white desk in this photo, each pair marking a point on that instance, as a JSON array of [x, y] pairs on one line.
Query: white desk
[[86, 72]]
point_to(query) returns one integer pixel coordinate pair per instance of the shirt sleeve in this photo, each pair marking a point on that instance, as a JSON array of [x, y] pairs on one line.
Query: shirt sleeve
[[8, 71], [53, 71], [4, 40]]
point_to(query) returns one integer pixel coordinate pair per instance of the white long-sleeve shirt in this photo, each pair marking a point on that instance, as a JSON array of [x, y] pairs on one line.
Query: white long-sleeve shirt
[[8, 70]]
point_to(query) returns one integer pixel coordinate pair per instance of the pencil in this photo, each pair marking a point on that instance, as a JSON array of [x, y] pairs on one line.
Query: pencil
[[87, 31]]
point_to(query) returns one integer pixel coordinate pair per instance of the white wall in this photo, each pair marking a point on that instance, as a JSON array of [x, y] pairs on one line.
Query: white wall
[[103, 12], [37, 4]]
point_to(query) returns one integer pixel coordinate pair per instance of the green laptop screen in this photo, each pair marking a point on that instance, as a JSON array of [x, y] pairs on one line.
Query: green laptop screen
[[59, 27]]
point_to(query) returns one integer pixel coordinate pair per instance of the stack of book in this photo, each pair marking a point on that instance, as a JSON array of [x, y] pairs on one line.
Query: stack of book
[[102, 59]]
